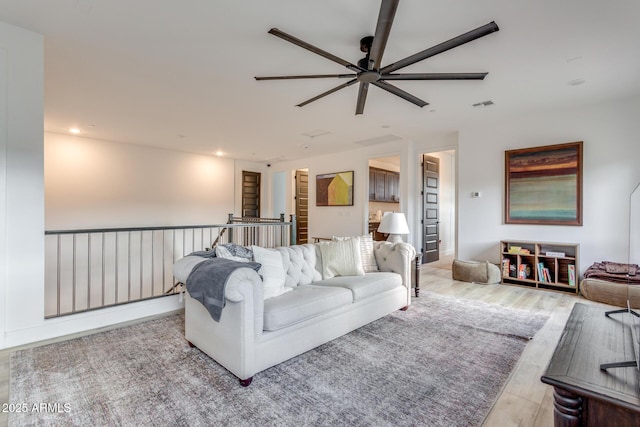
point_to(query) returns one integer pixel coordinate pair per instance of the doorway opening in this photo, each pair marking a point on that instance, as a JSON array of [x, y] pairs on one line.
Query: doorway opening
[[438, 206], [384, 191]]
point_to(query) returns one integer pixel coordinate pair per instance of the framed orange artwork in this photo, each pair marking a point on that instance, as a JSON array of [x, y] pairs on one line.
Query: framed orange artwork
[[334, 189]]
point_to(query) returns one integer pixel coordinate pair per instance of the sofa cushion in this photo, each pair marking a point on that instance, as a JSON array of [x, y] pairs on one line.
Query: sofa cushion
[[365, 286], [271, 271], [341, 258], [302, 303], [300, 264], [234, 252], [366, 251]]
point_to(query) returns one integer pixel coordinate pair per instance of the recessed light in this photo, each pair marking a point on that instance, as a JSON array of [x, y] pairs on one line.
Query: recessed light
[[74, 131], [219, 153]]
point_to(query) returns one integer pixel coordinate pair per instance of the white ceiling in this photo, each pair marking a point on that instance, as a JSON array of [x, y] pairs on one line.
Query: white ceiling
[[179, 74]]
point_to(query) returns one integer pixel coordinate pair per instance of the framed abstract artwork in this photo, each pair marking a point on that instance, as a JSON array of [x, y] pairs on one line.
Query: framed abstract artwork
[[543, 185], [334, 189]]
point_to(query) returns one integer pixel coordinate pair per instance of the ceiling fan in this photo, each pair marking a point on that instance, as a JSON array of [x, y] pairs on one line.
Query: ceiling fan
[[369, 70]]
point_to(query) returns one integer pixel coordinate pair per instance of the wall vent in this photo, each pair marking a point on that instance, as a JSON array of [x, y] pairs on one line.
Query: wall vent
[[483, 104]]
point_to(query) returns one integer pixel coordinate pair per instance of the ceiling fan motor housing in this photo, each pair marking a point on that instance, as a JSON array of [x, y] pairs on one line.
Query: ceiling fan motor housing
[[365, 44]]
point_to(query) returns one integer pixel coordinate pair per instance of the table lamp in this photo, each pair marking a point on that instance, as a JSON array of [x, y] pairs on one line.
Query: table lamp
[[395, 224]]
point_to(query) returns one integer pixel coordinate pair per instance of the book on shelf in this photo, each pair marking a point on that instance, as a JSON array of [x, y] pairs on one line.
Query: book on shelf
[[547, 275], [555, 254], [513, 270], [524, 271], [506, 262], [572, 274], [541, 272], [518, 250]]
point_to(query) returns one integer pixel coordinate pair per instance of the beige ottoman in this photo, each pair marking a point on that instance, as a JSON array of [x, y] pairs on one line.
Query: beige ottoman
[[475, 271], [610, 292]]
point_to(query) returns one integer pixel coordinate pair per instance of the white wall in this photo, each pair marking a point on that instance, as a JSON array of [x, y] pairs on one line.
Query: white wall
[[21, 198], [325, 221], [611, 135], [91, 183], [351, 220], [3, 184]]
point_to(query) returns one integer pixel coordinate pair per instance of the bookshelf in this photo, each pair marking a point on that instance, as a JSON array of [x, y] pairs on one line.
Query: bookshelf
[[542, 265]]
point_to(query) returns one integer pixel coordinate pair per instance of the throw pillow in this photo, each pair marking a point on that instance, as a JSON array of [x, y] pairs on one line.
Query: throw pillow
[[366, 251], [341, 258], [234, 252], [271, 271]]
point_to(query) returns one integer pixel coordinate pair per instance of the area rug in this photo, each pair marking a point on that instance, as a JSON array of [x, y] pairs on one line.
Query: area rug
[[441, 363]]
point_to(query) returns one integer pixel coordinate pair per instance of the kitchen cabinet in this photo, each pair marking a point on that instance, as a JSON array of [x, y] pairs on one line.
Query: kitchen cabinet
[[384, 185]]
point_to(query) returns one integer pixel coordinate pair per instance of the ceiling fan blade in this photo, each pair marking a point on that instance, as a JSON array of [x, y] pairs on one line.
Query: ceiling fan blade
[[482, 31], [434, 76], [291, 39], [401, 93], [362, 97], [330, 91], [310, 76], [383, 28]]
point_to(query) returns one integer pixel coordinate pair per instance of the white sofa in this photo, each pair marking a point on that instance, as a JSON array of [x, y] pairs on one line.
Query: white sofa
[[254, 334]]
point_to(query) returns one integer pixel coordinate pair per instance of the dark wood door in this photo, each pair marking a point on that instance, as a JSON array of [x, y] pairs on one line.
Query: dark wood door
[[430, 211], [251, 194], [302, 207]]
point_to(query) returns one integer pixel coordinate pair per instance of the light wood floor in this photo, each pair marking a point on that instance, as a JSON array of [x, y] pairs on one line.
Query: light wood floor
[[524, 401]]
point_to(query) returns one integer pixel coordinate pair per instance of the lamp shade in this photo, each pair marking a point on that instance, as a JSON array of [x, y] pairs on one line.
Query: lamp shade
[[393, 223]]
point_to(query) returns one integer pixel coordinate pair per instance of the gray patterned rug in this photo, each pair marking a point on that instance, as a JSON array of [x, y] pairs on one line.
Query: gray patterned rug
[[441, 363]]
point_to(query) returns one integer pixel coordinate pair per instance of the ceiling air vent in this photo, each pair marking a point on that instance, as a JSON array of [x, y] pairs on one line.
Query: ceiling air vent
[[378, 140], [483, 104]]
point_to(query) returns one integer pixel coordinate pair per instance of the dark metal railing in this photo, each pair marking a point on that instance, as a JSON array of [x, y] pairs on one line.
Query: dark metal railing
[[89, 269]]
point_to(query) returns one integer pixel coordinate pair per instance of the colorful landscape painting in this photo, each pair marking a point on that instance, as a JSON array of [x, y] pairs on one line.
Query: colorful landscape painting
[[334, 189], [544, 185]]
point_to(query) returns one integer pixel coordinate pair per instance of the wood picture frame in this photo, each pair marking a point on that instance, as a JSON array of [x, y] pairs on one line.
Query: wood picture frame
[[543, 185], [334, 189]]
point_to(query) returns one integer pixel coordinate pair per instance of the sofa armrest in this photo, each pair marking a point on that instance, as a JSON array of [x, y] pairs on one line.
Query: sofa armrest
[[231, 341], [396, 257], [244, 286]]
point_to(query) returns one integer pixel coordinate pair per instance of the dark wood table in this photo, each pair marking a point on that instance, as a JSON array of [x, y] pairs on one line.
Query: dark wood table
[[583, 394]]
